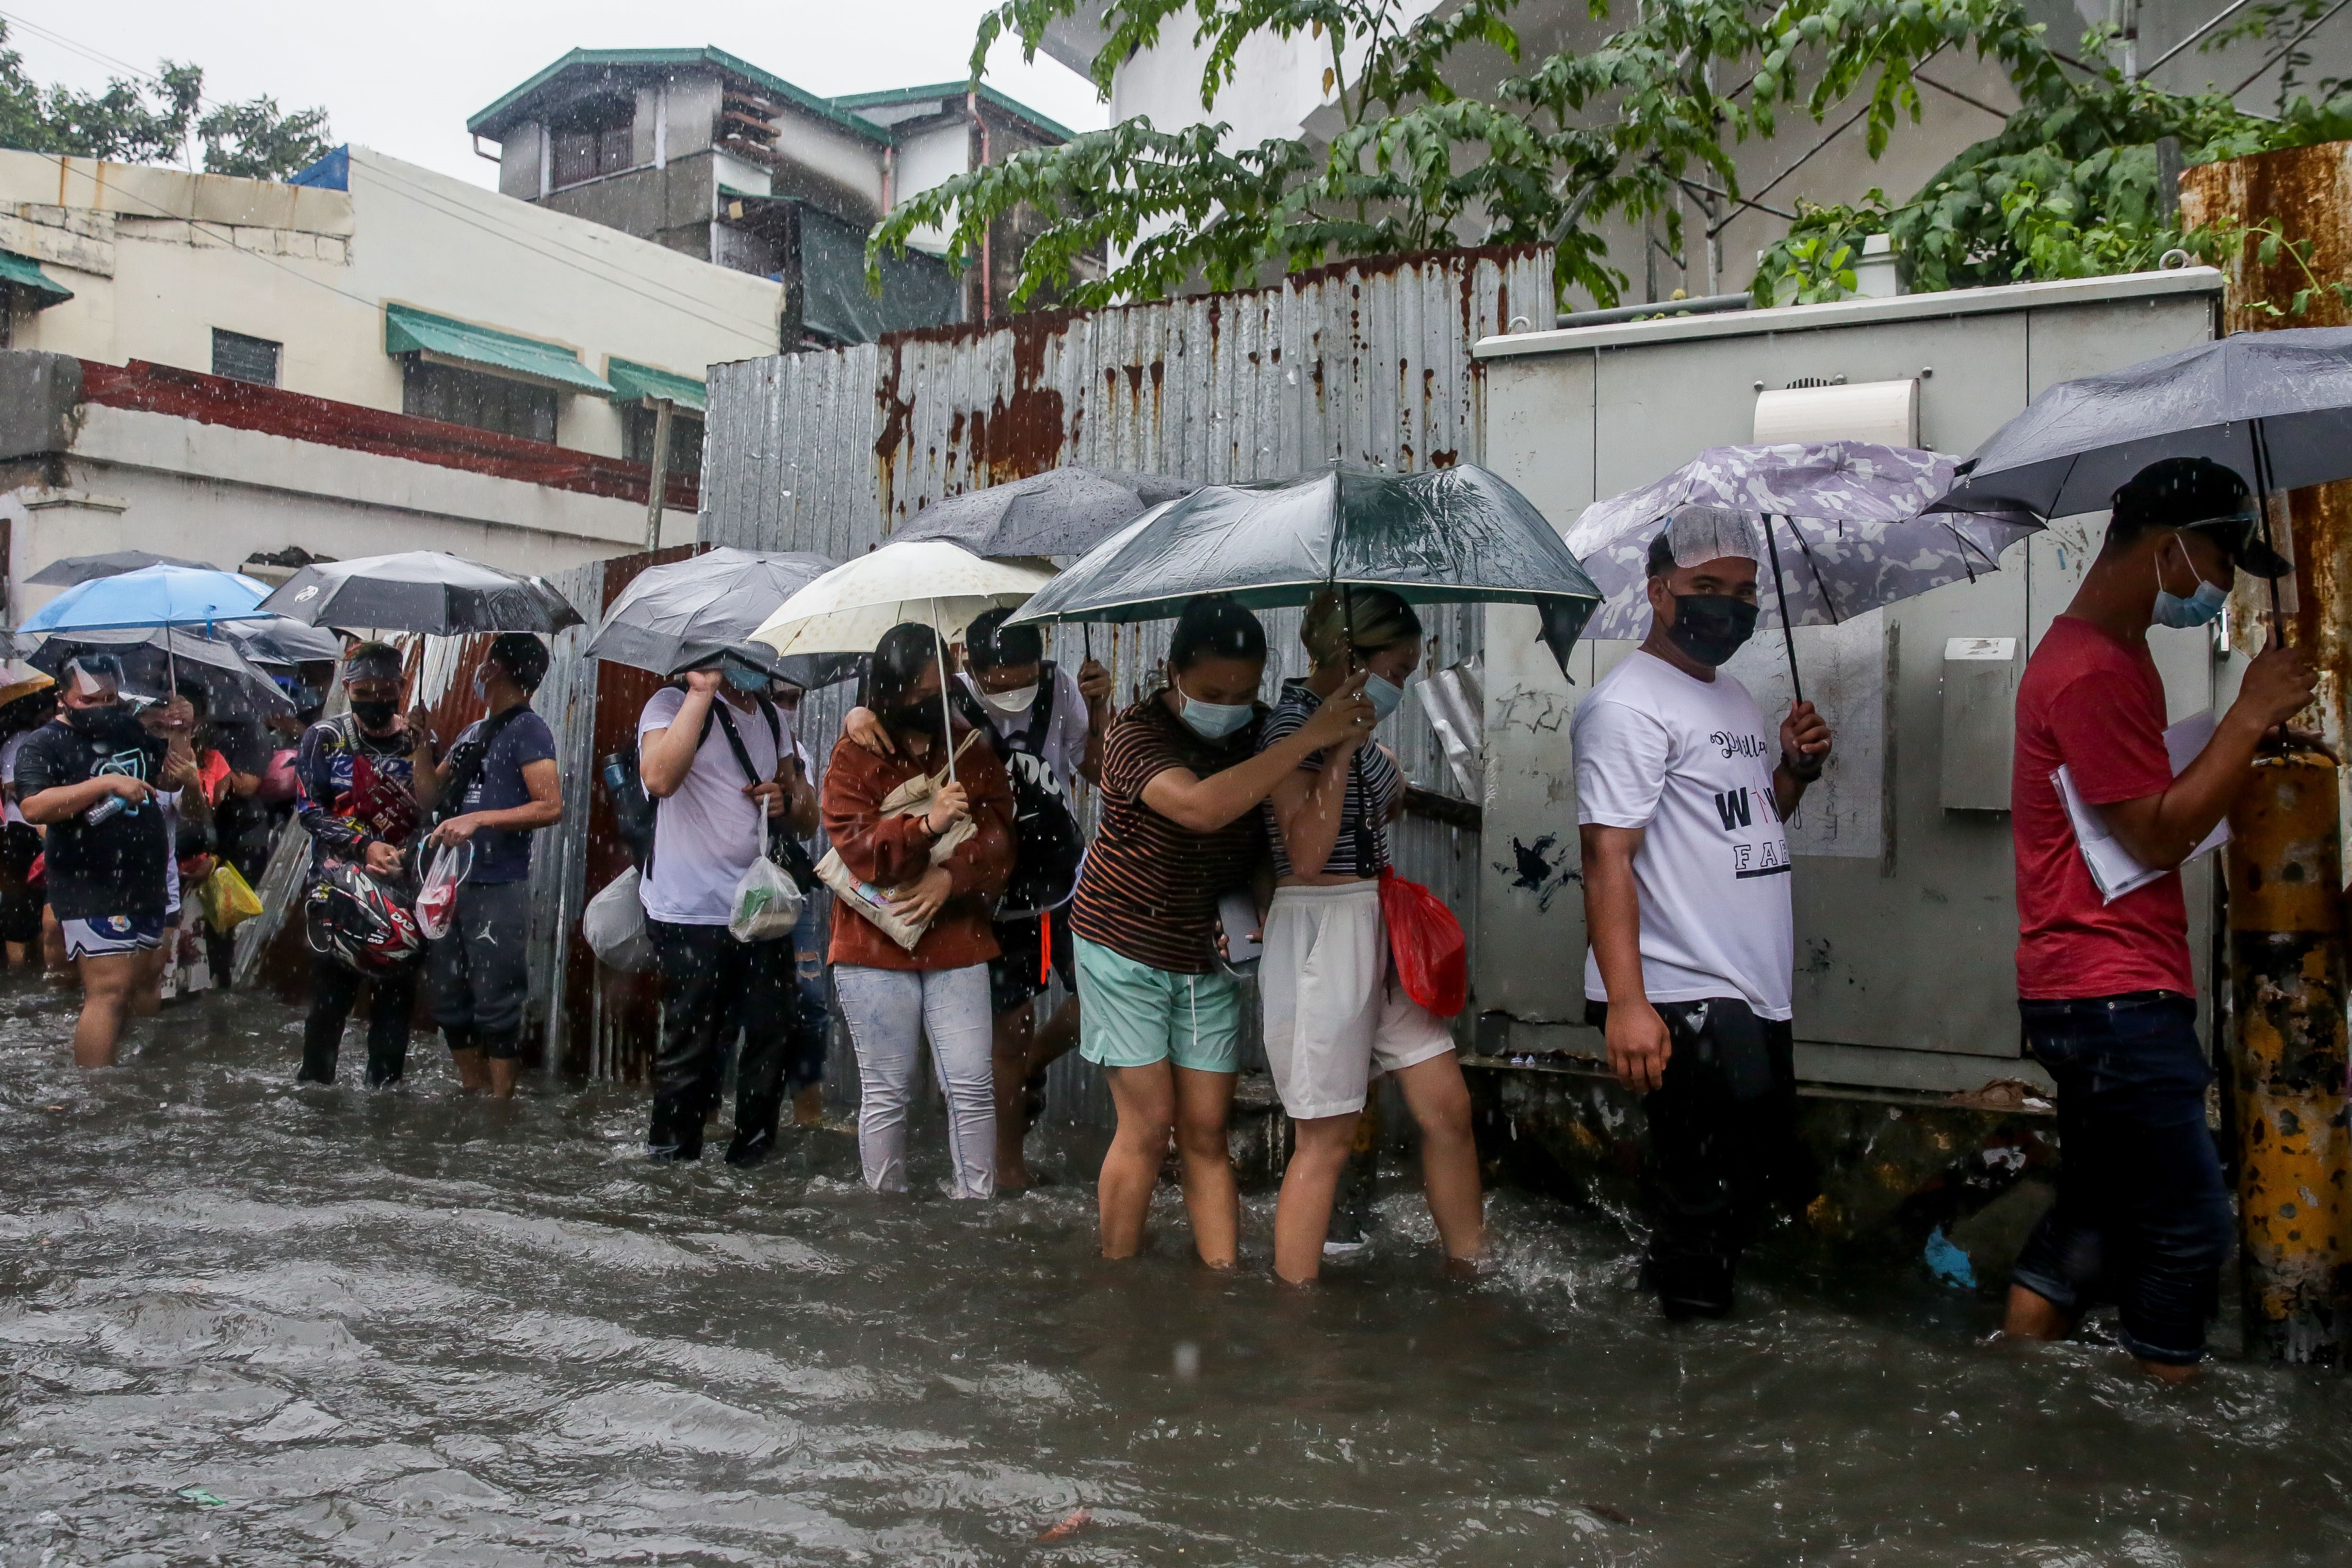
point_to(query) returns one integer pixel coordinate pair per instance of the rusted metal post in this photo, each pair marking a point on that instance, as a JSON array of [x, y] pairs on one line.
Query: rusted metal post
[[2285, 865], [657, 490], [2286, 959]]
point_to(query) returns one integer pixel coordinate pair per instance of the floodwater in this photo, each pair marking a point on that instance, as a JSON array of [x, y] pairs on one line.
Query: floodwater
[[247, 1323]]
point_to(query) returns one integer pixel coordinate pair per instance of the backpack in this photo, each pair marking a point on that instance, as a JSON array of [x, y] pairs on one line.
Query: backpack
[[1045, 836]]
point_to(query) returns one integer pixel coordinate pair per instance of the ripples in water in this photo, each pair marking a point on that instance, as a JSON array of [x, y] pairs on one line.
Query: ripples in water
[[247, 1323]]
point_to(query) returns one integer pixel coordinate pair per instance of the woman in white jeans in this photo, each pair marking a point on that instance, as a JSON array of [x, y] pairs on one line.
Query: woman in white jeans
[[932, 871], [1334, 1009]]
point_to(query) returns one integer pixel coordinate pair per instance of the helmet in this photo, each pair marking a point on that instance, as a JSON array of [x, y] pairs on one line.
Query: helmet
[[351, 919]]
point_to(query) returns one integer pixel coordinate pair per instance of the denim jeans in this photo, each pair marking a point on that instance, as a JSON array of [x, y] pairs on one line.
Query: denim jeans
[[2142, 1218], [888, 1012], [713, 987], [811, 1025]]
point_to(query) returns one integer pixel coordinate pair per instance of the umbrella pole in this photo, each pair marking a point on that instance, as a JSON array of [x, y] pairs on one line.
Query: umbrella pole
[[2262, 500], [1788, 630], [947, 725]]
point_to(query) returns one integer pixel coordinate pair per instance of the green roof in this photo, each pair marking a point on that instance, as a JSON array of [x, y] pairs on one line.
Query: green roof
[[25, 273], [408, 331], [492, 122], [957, 89], [632, 381]]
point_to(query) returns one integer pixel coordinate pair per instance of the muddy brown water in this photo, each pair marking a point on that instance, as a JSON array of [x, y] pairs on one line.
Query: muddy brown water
[[247, 1323]]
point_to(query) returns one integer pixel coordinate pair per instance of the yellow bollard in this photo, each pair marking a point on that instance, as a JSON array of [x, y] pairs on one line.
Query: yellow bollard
[[2287, 976]]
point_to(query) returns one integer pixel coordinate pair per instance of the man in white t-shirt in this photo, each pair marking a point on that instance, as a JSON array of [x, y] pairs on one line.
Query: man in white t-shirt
[[1681, 795], [708, 751]]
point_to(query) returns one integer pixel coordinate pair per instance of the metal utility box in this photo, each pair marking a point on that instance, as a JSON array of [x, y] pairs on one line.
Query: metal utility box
[[1905, 892]]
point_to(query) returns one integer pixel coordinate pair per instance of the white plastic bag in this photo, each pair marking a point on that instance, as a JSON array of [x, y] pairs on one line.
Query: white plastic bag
[[437, 901], [614, 924], [767, 903]]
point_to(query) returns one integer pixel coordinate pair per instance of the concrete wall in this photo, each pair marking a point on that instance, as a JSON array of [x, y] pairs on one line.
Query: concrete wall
[[929, 158], [157, 259], [1907, 923]]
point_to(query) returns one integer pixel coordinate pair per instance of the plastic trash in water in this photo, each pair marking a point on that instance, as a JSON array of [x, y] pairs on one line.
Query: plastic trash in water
[[201, 1497], [1947, 1262], [1078, 1520]]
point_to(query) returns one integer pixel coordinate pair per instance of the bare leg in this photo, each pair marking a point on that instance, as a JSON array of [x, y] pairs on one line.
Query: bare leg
[[2032, 1316], [19, 954], [1146, 1100], [1056, 1040], [1212, 1197], [107, 985], [1440, 1102], [1010, 1047], [472, 1074], [1302, 1214], [147, 996], [502, 1074]]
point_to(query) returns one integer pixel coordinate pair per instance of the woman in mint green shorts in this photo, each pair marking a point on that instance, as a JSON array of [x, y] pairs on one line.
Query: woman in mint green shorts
[[1182, 779]]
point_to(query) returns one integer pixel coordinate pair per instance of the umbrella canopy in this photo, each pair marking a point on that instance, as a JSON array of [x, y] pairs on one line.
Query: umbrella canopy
[[2274, 406], [1844, 517], [1453, 534], [152, 596], [234, 686], [67, 570], [929, 582], [284, 643], [420, 590], [672, 617], [1063, 511]]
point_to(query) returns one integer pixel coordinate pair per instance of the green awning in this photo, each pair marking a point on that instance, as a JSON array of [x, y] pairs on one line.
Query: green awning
[[408, 332], [25, 273], [632, 381]]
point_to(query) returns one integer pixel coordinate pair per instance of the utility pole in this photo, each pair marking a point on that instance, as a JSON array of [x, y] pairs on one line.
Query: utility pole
[[657, 490]]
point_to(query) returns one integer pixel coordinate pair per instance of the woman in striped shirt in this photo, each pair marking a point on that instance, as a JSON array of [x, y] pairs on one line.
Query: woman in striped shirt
[[1183, 776], [1335, 1014]]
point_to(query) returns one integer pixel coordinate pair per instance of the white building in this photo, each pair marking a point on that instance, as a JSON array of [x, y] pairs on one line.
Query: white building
[[375, 357]]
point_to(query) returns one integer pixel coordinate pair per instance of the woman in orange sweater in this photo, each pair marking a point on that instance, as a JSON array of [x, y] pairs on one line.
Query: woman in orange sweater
[[927, 872]]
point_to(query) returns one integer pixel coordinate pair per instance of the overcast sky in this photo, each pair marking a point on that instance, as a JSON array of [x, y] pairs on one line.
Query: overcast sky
[[402, 77]]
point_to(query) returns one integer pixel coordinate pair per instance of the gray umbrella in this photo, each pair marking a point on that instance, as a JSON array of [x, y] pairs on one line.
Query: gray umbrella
[[1063, 511], [671, 618], [420, 590], [2274, 406], [235, 688], [67, 570]]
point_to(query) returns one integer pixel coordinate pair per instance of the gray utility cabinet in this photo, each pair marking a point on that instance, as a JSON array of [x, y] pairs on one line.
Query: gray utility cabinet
[[1905, 888]]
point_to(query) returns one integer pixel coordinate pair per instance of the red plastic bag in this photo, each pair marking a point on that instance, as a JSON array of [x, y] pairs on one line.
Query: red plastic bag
[[1433, 958]]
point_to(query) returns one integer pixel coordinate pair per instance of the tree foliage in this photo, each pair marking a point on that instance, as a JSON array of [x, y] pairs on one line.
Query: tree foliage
[[165, 120]]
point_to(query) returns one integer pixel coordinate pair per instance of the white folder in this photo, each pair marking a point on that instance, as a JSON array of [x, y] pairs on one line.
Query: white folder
[[2112, 865]]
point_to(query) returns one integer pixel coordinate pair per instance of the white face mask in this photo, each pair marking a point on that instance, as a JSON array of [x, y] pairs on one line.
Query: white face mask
[[1014, 701]]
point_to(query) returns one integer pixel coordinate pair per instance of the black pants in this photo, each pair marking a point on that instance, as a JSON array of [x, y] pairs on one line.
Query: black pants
[[712, 987], [20, 905], [482, 969], [1723, 1147], [333, 989], [2143, 1214]]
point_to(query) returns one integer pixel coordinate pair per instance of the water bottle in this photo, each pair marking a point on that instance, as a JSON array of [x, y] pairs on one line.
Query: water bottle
[[113, 806]]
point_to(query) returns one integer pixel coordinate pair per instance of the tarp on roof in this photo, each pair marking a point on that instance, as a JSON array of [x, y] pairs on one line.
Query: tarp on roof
[[332, 172], [917, 291], [632, 381], [409, 330], [26, 274]]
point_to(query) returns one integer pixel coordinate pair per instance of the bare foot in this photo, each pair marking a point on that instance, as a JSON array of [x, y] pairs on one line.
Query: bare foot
[[808, 1106]]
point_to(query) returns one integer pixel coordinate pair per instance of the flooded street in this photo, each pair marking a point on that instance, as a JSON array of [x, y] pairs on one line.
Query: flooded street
[[247, 1323]]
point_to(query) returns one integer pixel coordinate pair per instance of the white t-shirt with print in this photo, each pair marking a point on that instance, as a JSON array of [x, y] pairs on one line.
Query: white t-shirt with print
[[1063, 745], [9, 750], [708, 834], [1691, 762]]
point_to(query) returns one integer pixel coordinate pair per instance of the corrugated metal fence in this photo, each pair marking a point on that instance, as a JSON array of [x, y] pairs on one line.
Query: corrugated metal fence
[[1367, 362]]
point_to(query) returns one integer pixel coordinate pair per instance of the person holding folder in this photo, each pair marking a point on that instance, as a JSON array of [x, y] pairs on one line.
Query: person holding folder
[[2105, 994]]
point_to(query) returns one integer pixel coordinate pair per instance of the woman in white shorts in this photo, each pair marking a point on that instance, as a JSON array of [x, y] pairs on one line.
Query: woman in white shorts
[[1335, 1014]]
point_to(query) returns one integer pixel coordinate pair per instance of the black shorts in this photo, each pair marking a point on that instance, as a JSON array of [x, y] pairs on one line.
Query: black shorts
[[1016, 974]]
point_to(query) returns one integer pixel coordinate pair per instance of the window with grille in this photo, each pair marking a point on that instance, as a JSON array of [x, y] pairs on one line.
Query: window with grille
[[486, 403], [593, 141], [685, 439], [244, 358]]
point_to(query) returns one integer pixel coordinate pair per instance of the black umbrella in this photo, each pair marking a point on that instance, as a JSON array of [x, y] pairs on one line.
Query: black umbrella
[[284, 643], [1456, 534], [421, 591], [1061, 512], [671, 618], [235, 688], [67, 570]]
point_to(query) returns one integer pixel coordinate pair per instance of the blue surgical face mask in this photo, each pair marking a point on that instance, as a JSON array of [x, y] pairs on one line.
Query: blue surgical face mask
[[2198, 608], [1383, 694], [482, 682], [743, 678], [1214, 721]]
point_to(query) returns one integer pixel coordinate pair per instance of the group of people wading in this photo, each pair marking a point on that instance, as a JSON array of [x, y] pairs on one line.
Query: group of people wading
[[961, 889]]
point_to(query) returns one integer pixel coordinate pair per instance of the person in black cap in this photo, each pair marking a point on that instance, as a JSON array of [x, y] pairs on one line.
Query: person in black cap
[[2105, 993], [497, 786]]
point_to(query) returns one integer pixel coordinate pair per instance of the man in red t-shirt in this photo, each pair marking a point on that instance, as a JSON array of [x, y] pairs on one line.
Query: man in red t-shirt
[[2105, 988]]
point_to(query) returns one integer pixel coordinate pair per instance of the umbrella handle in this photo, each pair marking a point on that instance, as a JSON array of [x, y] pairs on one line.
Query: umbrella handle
[[1788, 631], [2263, 494]]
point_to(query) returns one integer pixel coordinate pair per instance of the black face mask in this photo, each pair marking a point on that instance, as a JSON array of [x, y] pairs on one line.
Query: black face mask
[[375, 715], [114, 724], [1711, 627], [927, 716]]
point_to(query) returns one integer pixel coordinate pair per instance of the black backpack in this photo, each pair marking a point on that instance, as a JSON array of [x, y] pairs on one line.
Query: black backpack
[[1046, 843]]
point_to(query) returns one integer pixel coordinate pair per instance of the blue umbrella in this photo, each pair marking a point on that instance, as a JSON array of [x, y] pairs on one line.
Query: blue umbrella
[[152, 596]]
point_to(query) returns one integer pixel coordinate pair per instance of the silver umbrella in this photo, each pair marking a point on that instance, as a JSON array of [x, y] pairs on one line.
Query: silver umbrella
[[1062, 512]]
